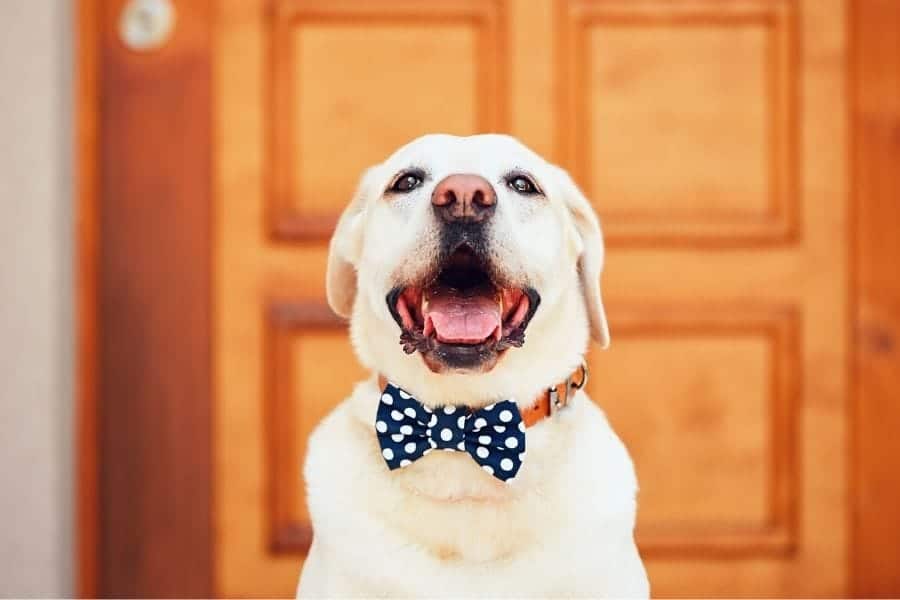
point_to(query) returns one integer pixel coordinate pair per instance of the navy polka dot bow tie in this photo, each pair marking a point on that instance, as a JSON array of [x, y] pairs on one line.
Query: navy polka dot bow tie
[[408, 430]]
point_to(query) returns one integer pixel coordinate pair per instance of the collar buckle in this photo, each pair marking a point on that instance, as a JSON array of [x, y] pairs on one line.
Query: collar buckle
[[555, 404], [558, 401]]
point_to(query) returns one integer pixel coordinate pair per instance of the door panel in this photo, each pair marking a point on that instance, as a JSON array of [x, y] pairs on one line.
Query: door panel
[[711, 137], [704, 400], [682, 117], [385, 72]]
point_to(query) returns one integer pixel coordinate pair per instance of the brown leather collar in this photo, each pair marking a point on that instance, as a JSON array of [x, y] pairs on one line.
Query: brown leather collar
[[548, 401]]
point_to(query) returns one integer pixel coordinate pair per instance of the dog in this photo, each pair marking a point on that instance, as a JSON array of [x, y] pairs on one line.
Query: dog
[[469, 268]]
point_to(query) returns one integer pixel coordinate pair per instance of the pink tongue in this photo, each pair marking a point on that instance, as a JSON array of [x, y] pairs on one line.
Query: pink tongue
[[463, 319]]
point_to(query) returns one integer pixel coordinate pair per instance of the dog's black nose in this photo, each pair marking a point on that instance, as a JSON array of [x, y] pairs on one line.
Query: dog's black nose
[[464, 199]]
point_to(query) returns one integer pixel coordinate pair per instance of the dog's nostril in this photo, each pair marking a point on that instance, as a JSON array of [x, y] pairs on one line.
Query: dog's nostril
[[482, 198], [444, 198]]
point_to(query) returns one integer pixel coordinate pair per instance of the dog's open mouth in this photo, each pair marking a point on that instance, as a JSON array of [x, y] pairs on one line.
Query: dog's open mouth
[[462, 317]]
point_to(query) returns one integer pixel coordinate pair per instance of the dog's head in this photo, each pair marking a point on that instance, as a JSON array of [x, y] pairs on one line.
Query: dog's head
[[463, 257]]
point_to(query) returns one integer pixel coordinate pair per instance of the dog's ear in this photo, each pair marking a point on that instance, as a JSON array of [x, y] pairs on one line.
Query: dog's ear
[[343, 255], [590, 259]]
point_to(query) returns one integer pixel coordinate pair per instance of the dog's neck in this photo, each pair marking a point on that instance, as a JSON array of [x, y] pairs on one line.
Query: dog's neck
[[551, 399]]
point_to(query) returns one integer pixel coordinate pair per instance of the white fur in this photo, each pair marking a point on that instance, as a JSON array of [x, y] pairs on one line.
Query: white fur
[[442, 526]]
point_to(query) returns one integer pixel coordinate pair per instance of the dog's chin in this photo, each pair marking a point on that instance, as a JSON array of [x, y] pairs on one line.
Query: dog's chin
[[462, 318], [461, 358]]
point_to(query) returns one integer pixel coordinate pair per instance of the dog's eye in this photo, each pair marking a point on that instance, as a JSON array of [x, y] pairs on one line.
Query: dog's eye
[[522, 185], [407, 182]]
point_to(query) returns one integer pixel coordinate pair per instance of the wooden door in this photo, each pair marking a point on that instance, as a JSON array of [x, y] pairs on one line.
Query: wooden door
[[710, 135]]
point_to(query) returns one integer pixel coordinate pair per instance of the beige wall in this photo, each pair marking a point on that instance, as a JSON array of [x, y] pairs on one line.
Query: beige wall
[[36, 340]]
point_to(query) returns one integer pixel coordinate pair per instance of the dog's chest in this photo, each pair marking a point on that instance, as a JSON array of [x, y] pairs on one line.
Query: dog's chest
[[456, 512], [560, 526]]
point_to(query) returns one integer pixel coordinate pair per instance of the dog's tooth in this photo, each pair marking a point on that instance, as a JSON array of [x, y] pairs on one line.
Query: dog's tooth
[[429, 326]]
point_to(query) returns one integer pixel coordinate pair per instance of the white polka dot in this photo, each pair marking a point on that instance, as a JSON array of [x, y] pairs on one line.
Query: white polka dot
[[482, 452], [410, 447], [432, 444], [405, 462], [381, 426], [461, 446], [490, 406], [406, 430], [521, 457], [506, 464], [388, 453], [404, 395], [484, 439], [410, 412], [387, 399], [449, 410], [505, 416], [428, 432], [396, 415], [480, 423], [512, 442], [398, 437], [461, 422], [488, 468], [522, 426], [499, 428], [427, 409], [446, 434], [432, 421]]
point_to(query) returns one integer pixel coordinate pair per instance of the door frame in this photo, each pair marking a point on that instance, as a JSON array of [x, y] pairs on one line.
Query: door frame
[[151, 352], [874, 411], [144, 252]]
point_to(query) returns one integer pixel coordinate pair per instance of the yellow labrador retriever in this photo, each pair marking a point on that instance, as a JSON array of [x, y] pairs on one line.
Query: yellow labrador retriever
[[471, 463]]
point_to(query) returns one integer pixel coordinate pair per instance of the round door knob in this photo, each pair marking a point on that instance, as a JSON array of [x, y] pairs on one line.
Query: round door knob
[[146, 24]]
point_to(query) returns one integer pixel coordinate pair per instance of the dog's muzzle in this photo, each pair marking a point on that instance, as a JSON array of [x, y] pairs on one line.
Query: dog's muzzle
[[462, 316]]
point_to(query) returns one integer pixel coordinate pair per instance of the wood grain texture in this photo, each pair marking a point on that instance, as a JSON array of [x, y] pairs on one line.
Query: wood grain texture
[[322, 54], [285, 319], [154, 309], [701, 94], [717, 413], [807, 272], [87, 112], [875, 561]]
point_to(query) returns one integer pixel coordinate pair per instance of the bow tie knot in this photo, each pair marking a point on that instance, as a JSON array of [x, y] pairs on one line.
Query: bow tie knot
[[407, 430]]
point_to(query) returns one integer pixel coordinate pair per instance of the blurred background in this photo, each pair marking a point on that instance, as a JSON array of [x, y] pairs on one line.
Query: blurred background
[[171, 172]]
